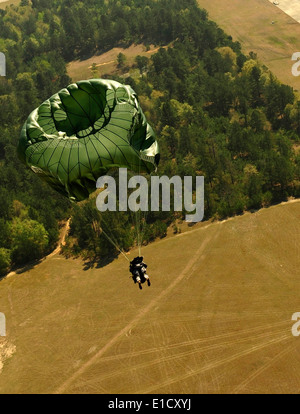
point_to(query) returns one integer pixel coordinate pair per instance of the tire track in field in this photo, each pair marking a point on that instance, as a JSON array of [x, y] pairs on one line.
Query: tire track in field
[[197, 256], [191, 352], [215, 364], [191, 342], [259, 371]]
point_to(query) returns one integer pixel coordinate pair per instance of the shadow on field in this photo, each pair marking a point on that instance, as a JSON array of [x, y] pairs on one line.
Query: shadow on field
[[29, 266], [99, 262], [25, 268]]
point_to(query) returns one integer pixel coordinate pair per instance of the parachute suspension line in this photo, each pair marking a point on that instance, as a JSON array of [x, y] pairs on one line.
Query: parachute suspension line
[[144, 222], [135, 220], [141, 220], [134, 223], [111, 240]]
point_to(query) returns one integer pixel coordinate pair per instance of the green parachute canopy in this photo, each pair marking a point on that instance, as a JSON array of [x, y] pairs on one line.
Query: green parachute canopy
[[82, 132]]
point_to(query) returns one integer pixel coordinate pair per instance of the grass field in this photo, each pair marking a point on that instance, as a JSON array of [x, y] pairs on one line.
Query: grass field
[[4, 3], [250, 22], [217, 318], [106, 62]]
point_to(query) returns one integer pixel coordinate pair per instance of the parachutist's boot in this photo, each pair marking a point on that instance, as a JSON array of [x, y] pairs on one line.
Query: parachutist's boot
[[147, 278], [138, 279]]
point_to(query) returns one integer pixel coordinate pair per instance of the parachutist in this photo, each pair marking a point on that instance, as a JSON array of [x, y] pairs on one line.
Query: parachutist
[[138, 269], [82, 133]]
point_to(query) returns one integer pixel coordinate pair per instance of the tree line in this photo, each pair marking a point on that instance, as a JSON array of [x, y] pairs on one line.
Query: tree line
[[217, 113]]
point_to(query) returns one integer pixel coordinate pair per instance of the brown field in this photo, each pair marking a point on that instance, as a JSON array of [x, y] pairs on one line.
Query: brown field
[[106, 62], [250, 22], [4, 3], [217, 318]]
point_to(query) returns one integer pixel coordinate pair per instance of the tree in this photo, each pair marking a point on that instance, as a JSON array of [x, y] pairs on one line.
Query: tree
[[229, 58], [258, 120], [5, 261], [94, 71], [253, 186], [26, 92], [142, 63], [256, 87], [29, 240], [278, 96], [121, 59]]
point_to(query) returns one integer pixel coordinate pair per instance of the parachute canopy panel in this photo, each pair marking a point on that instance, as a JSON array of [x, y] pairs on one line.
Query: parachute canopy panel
[[83, 131]]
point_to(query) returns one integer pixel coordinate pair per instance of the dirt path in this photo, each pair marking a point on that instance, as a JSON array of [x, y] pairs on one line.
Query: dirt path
[[62, 240], [61, 243], [102, 64]]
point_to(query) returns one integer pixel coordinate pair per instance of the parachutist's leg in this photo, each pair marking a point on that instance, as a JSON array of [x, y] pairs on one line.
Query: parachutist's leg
[[147, 278], [139, 281]]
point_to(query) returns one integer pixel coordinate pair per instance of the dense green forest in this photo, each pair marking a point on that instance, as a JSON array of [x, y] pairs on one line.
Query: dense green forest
[[217, 113]]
